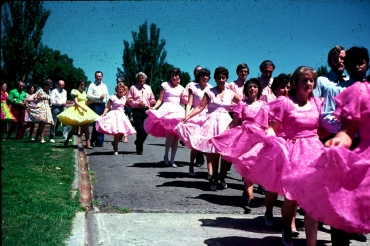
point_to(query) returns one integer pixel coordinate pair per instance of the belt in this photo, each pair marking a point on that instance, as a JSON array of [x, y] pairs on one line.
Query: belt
[[99, 103]]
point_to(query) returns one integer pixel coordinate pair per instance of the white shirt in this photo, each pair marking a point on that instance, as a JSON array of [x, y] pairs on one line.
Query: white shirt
[[96, 90], [58, 97]]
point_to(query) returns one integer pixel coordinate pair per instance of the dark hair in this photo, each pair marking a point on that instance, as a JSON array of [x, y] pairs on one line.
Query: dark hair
[[267, 63], [242, 66], [219, 71], [176, 71], [202, 72], [280, 79], [2, 83], [354, 55], [80, 82], [99, 72], [48, 82], [195, 70], [334, 51], [30, 86], [295, 78], [252, 81]]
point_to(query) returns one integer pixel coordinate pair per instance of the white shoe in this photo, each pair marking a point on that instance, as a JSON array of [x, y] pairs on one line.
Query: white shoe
[[224, 185], [174, 165], [52, 141], [42, 141], [115, 153]]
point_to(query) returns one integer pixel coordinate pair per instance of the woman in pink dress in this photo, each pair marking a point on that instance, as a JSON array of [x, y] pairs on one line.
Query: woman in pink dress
[[115, 122], [161, 122], [341, 176], [196, 132], [196, 92], [299, 116], [229, 144]]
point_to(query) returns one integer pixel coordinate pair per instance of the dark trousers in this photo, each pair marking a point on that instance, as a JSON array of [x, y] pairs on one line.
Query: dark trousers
[[97, 137], [139, 116], [18, 112]]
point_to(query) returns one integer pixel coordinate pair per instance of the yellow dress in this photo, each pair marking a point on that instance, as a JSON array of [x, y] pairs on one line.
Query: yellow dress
[[74, 115]]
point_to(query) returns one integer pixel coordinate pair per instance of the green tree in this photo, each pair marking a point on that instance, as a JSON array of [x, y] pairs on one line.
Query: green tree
[[147, 54], [56, 66], [23, 22], [322, 70]]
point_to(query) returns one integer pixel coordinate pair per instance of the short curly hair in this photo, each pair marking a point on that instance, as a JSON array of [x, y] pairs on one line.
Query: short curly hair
[[252, 81]]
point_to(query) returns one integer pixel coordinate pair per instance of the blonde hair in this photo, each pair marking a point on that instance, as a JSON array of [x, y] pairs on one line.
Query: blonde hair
[[120, 84]]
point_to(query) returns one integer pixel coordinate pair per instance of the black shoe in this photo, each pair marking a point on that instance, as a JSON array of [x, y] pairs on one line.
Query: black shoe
[[358, 237], [198, 164], [252, 202], [139, 152]]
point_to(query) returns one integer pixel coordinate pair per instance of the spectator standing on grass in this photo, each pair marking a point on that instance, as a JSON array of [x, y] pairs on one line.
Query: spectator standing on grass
[[58, 99], [16, 99], [41, 113], [98, 95], [31, 89], [267, 67], [140, 98], [6, 114]]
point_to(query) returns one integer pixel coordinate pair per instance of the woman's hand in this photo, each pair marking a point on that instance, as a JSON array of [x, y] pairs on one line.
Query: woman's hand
[[335, 141]]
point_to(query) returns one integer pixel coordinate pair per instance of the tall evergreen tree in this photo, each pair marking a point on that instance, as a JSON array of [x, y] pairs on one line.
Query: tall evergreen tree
[[147, 54], [322, 70], [21, 38]]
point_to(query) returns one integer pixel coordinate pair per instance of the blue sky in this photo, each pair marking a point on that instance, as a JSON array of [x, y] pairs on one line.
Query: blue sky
[[209, 33]]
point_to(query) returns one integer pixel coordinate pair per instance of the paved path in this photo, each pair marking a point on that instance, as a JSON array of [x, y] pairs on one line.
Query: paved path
[[168, 206]]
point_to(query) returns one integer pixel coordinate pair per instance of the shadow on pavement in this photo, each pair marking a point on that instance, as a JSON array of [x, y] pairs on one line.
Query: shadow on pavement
[[111, 153], [266, 241], [158, 164]]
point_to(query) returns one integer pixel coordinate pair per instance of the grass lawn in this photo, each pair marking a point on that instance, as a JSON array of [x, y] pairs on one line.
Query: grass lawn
[[37, 206]]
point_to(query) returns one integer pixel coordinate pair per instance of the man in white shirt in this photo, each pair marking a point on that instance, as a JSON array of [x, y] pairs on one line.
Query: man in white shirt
[[98, 94], [267, 67], [58, 100]]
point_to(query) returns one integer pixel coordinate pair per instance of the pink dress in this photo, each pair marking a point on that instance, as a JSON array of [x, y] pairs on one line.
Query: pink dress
[[197, 131], [170, 113], [115, 121], [234, 142], [274, 162], [340, 178]]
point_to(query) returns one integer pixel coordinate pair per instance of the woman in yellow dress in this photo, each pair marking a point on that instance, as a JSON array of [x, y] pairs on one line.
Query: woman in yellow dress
[[78, 114]]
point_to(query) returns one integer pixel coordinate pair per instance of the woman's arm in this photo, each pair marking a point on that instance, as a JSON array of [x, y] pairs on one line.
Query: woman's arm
[[200, 108], [160, 99], [190, 102], [107, 108], [345, 136], [83, 107], [273, 128], [236, 99]]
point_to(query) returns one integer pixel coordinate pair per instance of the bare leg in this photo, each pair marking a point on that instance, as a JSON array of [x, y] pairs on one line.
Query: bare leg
[[310, 226], [117, 137], [40, 131], [214, 159], [85, 130], [288, 212], [248, 188], [209, 164], [32, 127], [125, 140], [174, 145], [168, 144], [70, 134]]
